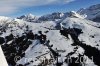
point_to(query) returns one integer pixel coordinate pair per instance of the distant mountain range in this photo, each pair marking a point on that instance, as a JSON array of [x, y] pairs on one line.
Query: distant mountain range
[[91, 13]]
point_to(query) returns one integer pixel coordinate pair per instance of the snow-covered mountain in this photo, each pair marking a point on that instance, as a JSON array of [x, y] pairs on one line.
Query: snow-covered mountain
[[58, 16], [75, 43], [92, 12], [51, 17], [29, 18]]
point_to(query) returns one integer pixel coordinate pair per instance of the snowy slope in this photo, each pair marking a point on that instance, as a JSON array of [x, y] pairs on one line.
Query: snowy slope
[[61, 43], [89, 29], [29, 18]]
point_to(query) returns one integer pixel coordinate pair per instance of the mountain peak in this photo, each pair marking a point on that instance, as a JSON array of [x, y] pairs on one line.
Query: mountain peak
[[29, 17]]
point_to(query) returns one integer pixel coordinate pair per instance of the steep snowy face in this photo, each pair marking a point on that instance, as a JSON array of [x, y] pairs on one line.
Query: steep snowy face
[[29, 18], [92, 13]]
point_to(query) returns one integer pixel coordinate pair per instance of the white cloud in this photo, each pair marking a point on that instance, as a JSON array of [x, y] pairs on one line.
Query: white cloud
[[11, 6]]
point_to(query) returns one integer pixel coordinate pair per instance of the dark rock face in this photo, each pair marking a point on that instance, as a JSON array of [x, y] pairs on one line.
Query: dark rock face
[[9, 38], [74, 32], [92, 53], [2, 40]]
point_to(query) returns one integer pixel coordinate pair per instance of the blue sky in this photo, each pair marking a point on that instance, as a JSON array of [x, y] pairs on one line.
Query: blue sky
[[12, 8]]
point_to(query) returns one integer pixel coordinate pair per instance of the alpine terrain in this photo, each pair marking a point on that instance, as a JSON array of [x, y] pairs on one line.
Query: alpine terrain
[[57, 39]]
